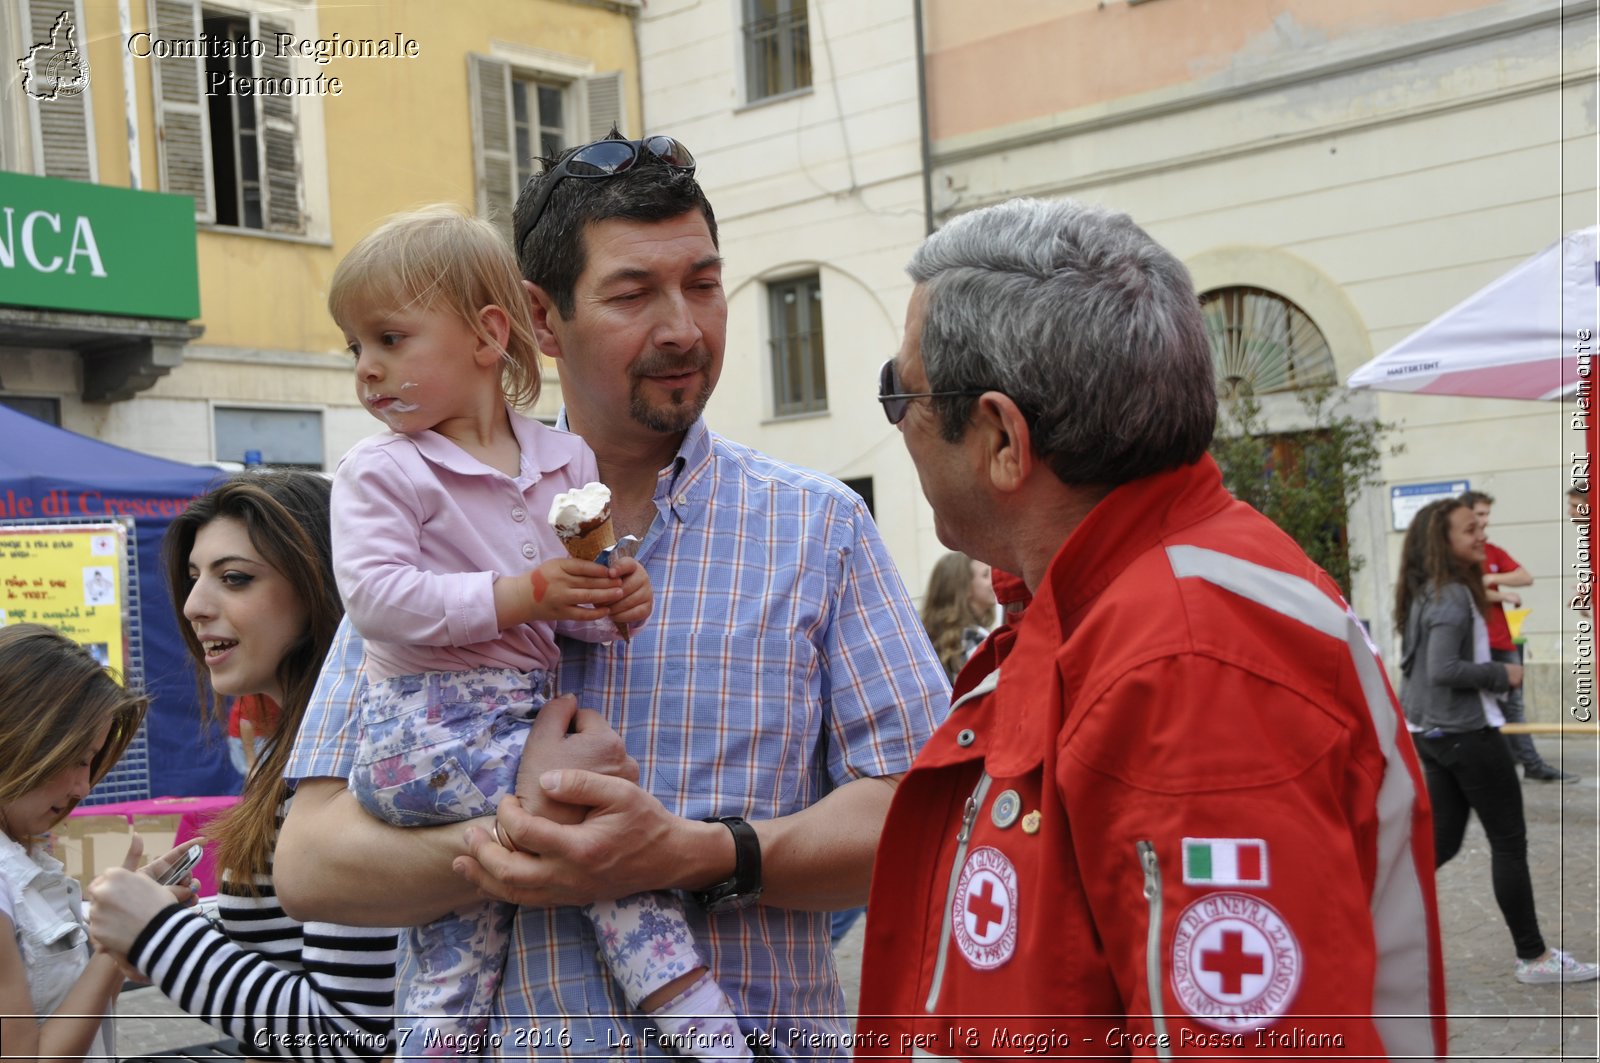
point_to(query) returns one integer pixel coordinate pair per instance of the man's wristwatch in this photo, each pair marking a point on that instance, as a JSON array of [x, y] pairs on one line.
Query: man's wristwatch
[[744, 888]]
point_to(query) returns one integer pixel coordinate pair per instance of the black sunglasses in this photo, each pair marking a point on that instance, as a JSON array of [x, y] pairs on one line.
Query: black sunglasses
[[605, 158], [895, 402]]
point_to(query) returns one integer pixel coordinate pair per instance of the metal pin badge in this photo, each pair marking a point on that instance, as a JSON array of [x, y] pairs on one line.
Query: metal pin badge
[[1007, 807], [1030, 822]]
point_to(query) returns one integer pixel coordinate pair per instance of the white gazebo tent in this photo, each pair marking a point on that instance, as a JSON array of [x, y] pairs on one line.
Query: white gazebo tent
[[1520, 337]]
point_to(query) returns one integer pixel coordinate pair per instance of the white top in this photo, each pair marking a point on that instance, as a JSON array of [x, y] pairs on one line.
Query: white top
[[46, 910], [1480, 654]]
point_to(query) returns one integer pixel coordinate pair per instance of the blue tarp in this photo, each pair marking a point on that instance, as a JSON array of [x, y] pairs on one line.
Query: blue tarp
[[47, 473]]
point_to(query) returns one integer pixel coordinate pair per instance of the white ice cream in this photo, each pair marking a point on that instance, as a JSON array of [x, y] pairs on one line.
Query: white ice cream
[[570, 509]]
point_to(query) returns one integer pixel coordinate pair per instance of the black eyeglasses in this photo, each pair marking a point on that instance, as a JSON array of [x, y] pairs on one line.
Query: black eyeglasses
[[895, 402], [605, 158]]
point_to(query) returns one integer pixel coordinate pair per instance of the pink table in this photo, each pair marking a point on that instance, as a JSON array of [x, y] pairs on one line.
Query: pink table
[[193, 814]]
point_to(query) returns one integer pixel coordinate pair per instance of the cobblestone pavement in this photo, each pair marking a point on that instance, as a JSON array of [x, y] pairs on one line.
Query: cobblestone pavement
[[1493, 1017]]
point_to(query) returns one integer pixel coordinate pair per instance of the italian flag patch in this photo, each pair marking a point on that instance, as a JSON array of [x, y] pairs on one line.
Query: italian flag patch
[[1224, 862]]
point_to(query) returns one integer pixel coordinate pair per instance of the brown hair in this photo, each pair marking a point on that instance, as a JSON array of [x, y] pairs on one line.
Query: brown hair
[[1428, 564], [947, 610], [53, 697], [439, 258], [286, 516]]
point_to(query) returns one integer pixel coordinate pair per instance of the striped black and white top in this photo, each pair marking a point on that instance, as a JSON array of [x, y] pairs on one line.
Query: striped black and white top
[[280, 987]]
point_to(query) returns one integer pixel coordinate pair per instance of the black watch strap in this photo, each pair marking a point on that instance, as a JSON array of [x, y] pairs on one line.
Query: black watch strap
[[744, 888]]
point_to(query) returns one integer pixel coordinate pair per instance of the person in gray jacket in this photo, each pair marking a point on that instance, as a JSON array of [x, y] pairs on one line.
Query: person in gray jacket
[[1448, 690]]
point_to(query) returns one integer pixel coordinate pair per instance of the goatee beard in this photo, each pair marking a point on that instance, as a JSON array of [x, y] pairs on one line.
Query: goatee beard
[[676, 417], [680, 411]]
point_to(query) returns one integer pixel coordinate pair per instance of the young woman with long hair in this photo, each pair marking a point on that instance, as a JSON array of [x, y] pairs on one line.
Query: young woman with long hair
[[1447, 692], [251, 573]]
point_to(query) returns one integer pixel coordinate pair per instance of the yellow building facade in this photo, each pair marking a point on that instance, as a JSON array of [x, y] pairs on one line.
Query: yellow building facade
[[293, 127]]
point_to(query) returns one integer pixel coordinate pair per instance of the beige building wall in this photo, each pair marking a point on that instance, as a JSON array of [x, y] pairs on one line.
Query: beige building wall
[[1375, 163], [398, 135], [826, 180]]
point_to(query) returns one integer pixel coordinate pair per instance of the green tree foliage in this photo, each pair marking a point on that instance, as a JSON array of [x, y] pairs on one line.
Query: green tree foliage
[[1304, 482]]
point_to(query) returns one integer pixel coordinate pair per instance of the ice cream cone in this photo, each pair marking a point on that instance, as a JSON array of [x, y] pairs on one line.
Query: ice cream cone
[[582, 520], [587, 540]]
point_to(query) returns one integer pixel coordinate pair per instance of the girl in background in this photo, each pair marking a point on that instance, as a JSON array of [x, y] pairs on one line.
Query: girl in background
[[958, 609], [64, 721], [1447, 691]]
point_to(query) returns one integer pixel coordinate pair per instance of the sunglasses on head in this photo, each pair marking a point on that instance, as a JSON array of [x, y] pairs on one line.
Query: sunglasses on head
[[605, 158], [895, 402]]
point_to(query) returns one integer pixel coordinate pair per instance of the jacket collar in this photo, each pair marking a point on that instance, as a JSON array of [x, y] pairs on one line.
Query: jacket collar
[[19, 865], [537, 460], [1127, 523], [682, 485]]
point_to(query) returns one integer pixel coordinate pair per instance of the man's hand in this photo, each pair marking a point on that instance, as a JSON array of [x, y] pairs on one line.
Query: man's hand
[[627, 843], [1499, 595], [565, 736]]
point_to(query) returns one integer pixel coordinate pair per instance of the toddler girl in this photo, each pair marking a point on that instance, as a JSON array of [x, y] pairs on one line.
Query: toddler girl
[[458, 587]]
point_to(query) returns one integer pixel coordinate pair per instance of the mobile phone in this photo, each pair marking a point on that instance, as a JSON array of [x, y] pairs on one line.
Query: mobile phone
[[179, 871]]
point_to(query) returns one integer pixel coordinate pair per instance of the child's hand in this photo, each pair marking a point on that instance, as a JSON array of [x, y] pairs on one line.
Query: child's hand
[[637, 597], [563, 588]]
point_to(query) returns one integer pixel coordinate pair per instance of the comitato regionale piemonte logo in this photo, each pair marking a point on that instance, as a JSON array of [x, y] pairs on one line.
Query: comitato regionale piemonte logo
[[56, 69]]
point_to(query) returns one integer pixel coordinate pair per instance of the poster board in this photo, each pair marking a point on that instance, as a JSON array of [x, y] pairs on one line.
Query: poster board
[[80, 576], [73, 577], [1406, 499]]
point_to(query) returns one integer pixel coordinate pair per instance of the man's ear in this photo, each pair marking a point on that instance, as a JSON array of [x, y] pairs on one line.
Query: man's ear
[[1007, 442], [544, 312], [494, 327]]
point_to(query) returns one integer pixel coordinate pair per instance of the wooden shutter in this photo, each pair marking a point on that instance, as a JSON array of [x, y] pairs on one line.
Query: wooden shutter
[[183, 133], [602, 99], [280, 140], [492, 138], [63, 128]]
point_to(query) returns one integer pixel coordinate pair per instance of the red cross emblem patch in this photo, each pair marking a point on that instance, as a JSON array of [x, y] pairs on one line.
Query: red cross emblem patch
[[984, 913], [1235, 963]]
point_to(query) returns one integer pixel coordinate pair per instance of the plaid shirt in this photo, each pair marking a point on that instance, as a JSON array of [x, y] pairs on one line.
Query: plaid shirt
[[783, 659]]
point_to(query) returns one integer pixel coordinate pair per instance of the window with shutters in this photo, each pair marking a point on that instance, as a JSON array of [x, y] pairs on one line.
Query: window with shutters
[[777, 48], [520, 113], [539, 123], [799, 375], [239, 155]]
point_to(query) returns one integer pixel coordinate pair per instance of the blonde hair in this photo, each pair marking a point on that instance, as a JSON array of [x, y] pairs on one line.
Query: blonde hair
[[439, 258], [54, 696]]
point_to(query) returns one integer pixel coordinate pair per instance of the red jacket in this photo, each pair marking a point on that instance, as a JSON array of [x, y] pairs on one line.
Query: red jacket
[[1497, 560], [1187, 791]]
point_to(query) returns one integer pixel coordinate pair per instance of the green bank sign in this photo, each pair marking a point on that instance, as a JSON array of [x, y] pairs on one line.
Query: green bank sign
[[67, 245]]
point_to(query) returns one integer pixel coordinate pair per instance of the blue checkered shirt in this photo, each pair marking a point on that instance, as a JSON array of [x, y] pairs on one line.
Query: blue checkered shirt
[[783, 659]]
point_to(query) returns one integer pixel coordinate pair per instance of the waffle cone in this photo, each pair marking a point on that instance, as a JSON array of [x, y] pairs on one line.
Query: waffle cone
[[591, 537]]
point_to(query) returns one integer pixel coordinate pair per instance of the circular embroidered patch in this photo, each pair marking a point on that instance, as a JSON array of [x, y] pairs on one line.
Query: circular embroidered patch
[[1235, 963], [985, 910]]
